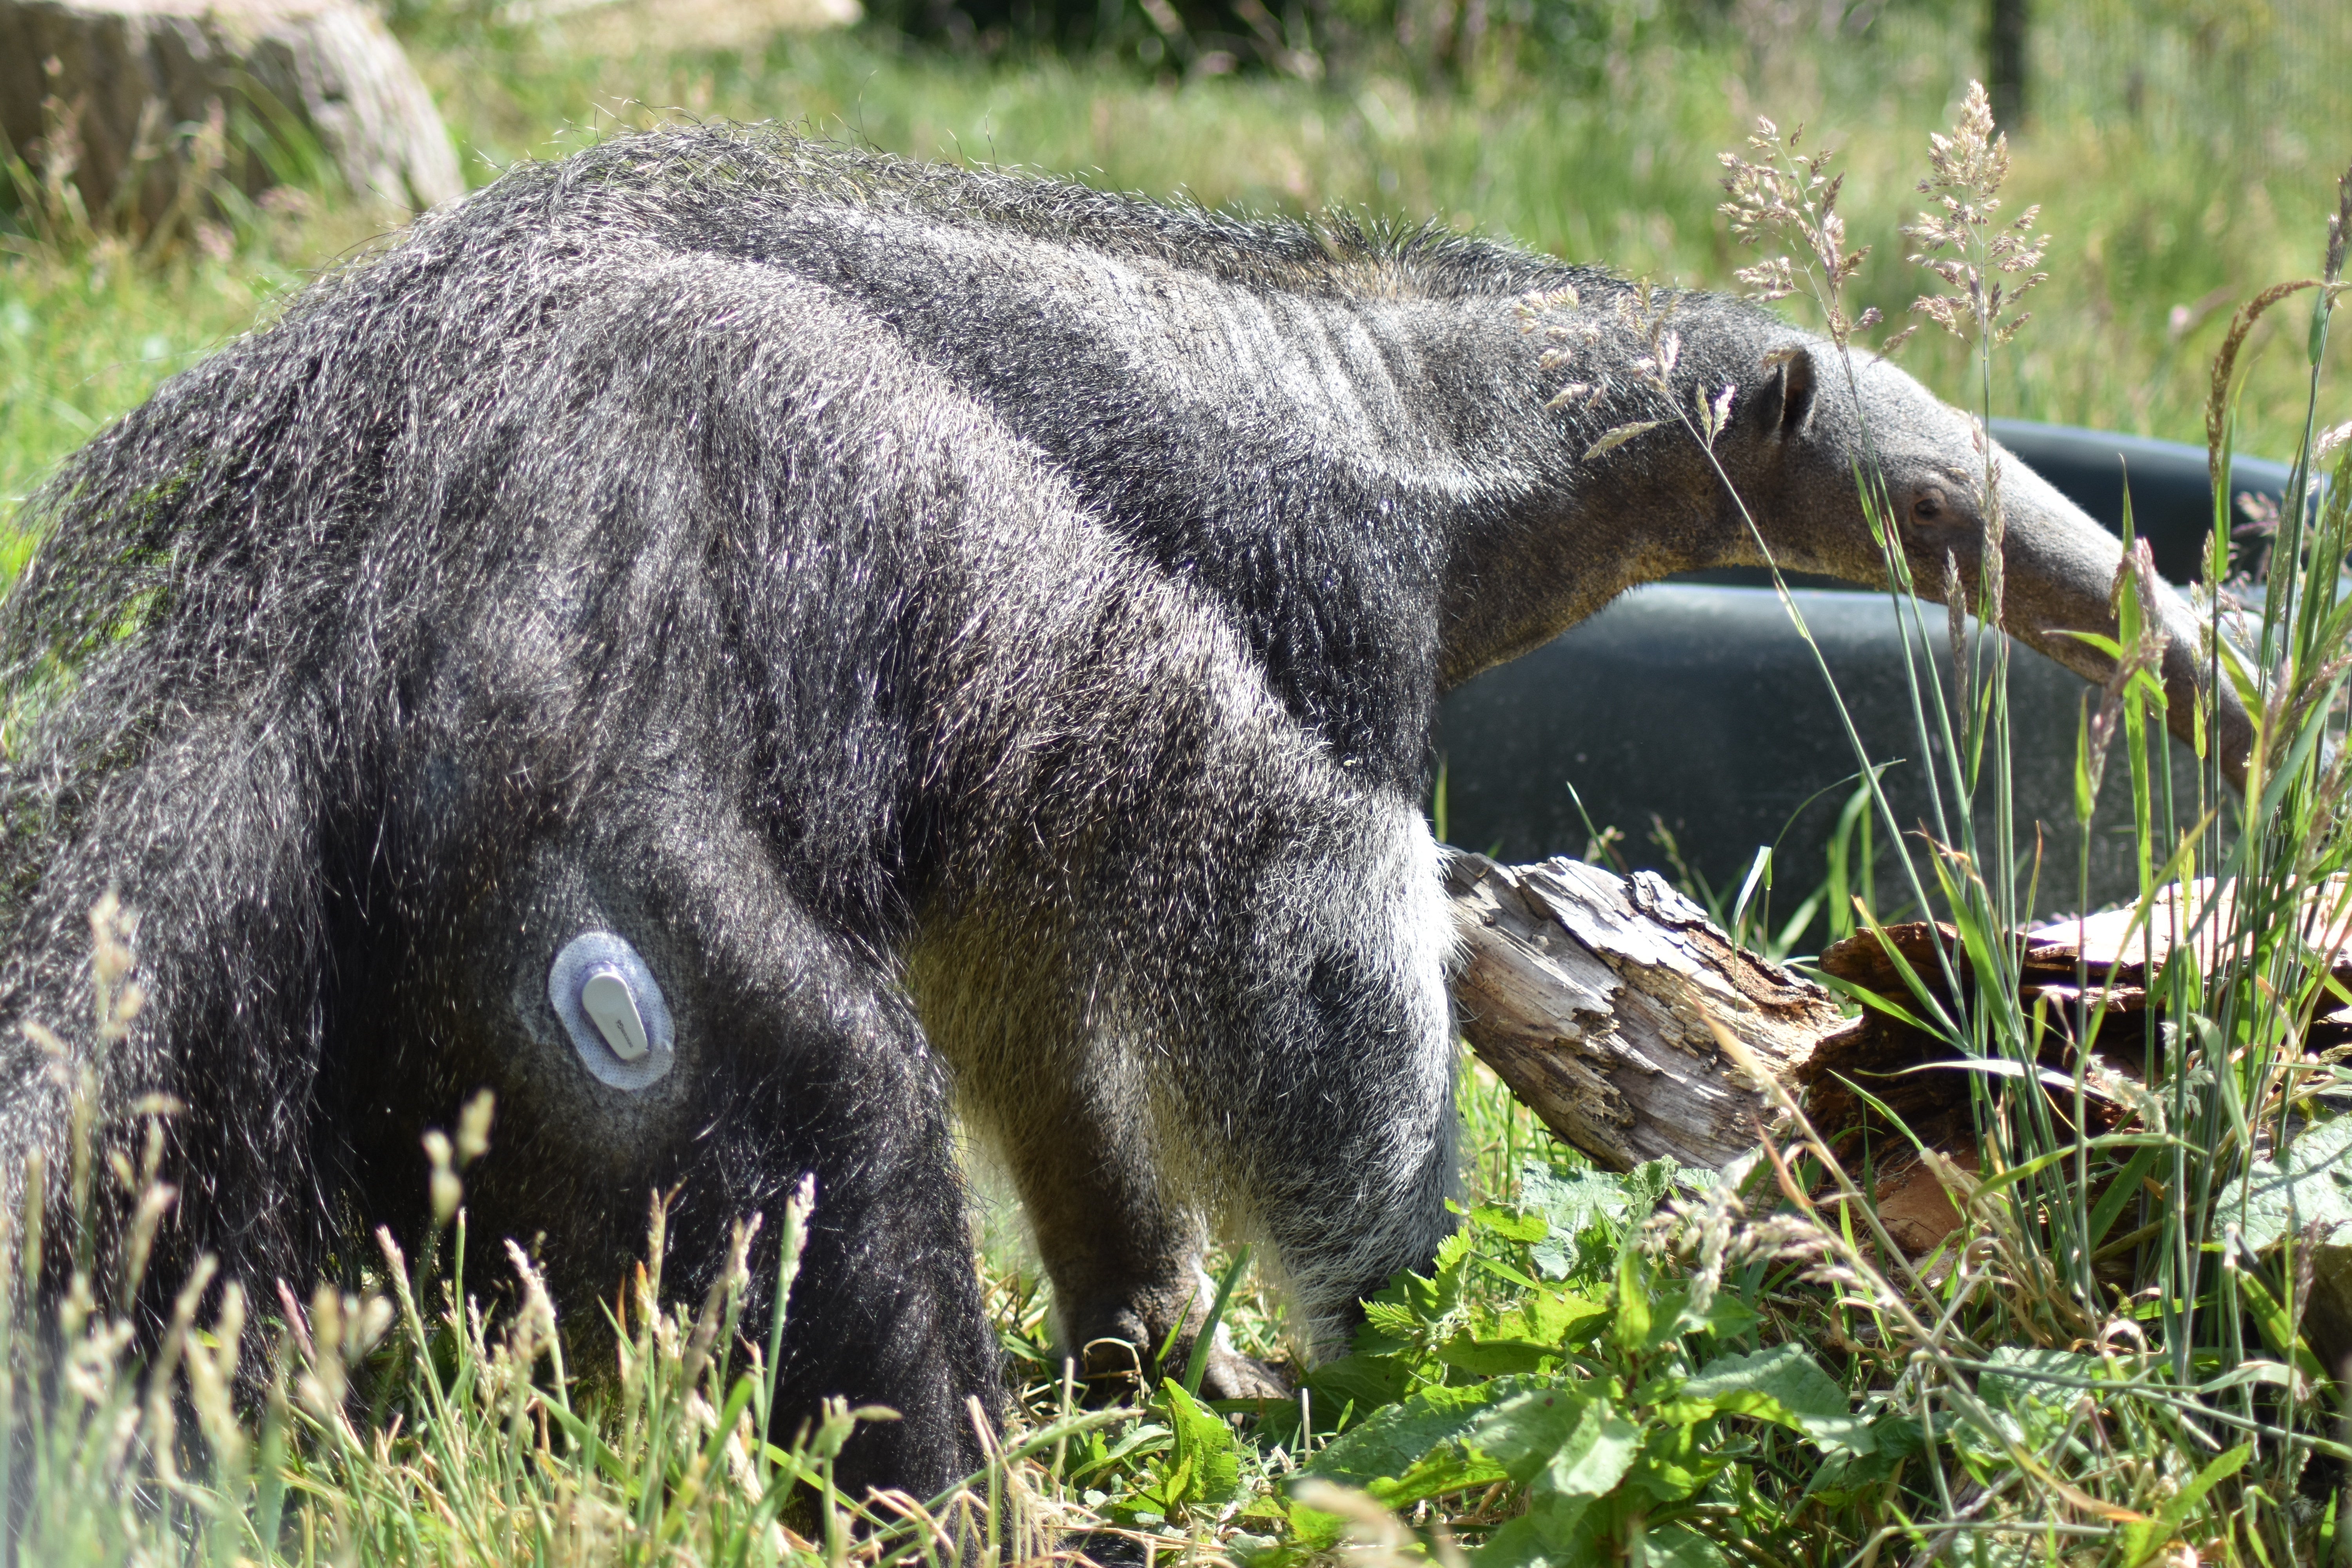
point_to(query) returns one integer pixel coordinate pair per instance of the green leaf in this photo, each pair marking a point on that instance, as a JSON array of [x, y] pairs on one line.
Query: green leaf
[[1312, 1530], [1570, 1203], [2277, 1328], [1785, 1386], [588, 1438], [1727, 1316], [2011, 1391], [2100, 641], [1482, 1357], [1207, 1470], [1367, 1380], [2312, 1181], [2143, 1539], [1396, 1438], [1555, 1532], [1679, 1456], [2123, 1191], [1648, 1182], [1569, 1442], [1496, 1220], [1448, 1468], [1631, 1328], [1842, 1478], [1558, 1318], [1672, 1546], [1452, 1254], [1204, 1339]]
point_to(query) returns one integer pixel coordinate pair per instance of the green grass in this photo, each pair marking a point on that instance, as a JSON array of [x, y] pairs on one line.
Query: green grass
[[1749, 1376]]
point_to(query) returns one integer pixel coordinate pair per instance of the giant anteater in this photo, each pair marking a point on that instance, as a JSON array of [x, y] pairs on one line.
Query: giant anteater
[[725, 639]]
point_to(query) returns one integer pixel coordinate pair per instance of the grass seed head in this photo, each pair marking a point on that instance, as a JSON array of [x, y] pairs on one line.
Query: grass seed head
[[1782, 197], [1959, 239]]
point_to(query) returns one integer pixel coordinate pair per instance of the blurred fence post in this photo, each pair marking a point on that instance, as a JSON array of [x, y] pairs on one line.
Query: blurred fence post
[[2005, 66]]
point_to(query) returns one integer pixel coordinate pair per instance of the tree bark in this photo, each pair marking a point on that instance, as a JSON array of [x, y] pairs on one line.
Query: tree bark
[[1593, 994], [146, 106]]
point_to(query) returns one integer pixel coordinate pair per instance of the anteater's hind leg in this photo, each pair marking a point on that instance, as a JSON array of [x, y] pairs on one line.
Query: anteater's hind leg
[[1070, 1111], [792, 1052]]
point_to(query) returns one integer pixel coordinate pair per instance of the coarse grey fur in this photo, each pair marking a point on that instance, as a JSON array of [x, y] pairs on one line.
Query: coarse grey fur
[[921, 611]]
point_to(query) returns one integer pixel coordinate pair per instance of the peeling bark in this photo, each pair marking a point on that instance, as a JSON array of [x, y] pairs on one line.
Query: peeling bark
[[1590, 995]]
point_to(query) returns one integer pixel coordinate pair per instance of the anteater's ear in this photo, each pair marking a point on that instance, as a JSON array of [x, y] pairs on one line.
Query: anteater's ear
[[1785, 400]]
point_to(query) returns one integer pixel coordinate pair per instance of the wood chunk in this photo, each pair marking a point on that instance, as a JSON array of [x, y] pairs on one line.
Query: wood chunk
[[1590, 995], [1913, 1206], [1594, 997]]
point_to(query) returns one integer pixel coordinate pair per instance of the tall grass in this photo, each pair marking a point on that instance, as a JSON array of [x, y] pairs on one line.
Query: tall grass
[[2195, 1335]]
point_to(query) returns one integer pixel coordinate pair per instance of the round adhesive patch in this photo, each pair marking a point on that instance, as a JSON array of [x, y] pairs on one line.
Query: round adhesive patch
[[603, 992]]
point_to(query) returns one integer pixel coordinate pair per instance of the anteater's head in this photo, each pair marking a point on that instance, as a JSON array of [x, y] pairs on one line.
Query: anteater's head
[[1801, 438]]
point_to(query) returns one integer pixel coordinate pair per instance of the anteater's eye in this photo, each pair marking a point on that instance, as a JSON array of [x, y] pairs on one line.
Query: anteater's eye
[[1928, 505]]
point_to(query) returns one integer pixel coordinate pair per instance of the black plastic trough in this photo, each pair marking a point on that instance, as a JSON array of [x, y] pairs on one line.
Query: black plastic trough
[[1696, 704]]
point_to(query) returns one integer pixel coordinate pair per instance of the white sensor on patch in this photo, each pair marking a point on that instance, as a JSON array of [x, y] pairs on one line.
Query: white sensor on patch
[[617, 1020], [604, 997]]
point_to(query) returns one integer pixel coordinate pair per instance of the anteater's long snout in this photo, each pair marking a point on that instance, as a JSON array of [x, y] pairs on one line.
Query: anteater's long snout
[[2060, 568]]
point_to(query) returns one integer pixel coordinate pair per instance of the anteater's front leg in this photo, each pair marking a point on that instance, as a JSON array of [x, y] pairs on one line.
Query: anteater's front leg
[[1277, 1063]]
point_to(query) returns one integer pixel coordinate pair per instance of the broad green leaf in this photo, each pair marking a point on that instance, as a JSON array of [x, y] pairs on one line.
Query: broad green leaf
[[1572, 1442], [1679, 1456], [1783, 1385], [1510, 1225], [1481, 1356], [2311, 1182], [1726, 1316], [1895, 1435], [1393, 1439], [1646, 1184], [1447, 1467], [1366, 1380], [1509, 1275], [1558, 1318], [1555, 1532], [1312, 1530], [1574, 1202], [1672, 1316], [2011, 1389], [1672, 1546], [1207, 1457], [1570, 1204]]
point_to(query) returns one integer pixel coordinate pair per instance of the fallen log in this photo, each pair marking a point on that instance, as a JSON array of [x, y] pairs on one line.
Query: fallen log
[[1593, 995], [1596, 999]]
